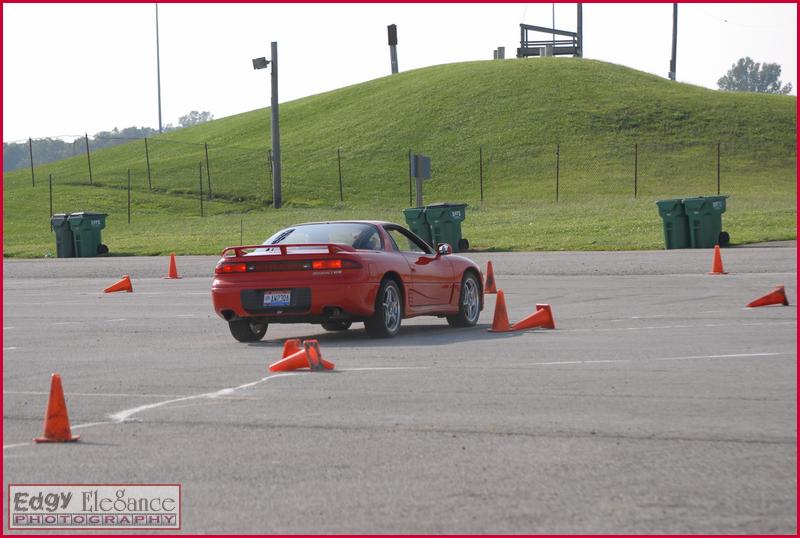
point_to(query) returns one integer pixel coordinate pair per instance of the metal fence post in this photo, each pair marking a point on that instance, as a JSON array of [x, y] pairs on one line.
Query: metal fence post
[[635, 169], [88, 158], [30, 151], [201, 189], [147, 159], [341, 186], [480, 149], [410, 202], [718, 144], [51, 194], [129, 195], [558, 165], [208, 173]]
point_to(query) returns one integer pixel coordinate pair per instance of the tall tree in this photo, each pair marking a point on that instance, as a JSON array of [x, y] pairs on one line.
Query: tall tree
[[749, 76], [194, 117]]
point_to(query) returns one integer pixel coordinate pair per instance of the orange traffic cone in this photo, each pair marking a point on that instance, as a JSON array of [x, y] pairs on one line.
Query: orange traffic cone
[[543, 317], [291, 346], [490, 286], [122, 285], [309, 356], [315, 360], [500, 321], [56, 421], [776, 296], [716, 265], [173, 269]]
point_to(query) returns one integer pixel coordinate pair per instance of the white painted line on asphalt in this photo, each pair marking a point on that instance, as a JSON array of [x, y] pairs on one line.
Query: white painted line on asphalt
[[382, 368], [692, 357], [6, 328], [660, 327], [730, 356], [185, 316], [115, 320], [65, 323], [15, 445], [9, 348], [126, 414]]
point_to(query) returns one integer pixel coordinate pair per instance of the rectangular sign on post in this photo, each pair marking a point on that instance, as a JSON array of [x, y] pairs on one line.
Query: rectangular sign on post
[[420, 166]]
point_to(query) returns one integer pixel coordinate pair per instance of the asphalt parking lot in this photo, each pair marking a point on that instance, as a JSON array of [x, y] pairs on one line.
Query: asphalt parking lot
[[659, 404]]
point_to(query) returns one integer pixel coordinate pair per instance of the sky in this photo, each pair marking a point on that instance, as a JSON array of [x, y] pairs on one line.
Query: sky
[[75, 68]]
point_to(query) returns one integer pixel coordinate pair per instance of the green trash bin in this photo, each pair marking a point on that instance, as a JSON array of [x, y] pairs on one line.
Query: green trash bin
[[676, 224], [705, 221], [444, 220], [438, 223], [65, 247], [417, 223], [86, 227]]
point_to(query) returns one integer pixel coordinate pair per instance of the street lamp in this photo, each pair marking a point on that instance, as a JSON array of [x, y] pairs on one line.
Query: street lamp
[[262, 63]]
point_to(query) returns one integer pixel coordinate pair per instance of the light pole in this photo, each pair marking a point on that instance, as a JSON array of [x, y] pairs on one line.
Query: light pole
[[262, 63], [673, 61], [158, 72]]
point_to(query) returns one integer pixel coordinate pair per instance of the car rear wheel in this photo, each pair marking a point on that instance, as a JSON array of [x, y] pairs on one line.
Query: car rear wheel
[[336, 325], [385, 323], [245, 330], [469, 303]]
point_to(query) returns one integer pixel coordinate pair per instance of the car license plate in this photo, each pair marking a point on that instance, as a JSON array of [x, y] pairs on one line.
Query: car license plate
[[277, 298]]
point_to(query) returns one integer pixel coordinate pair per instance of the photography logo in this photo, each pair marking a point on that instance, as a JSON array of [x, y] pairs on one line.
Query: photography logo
[[94, 506]]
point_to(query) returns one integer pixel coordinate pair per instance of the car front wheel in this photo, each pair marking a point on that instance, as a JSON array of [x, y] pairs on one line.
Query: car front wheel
[[245, 330], [385, 322], [469, 303]]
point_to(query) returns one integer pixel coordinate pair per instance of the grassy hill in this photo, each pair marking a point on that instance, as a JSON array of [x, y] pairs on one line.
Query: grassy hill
[[599, 117]]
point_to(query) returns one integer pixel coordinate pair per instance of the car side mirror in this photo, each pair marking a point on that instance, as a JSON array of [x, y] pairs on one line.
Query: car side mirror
[[443, 249]]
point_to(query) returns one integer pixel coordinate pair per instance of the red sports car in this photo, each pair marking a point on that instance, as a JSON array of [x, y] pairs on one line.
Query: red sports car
[[335, 273]]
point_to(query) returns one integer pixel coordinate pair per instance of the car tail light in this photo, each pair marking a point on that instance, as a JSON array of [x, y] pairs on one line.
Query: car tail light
[[226, 268], [326, 264]]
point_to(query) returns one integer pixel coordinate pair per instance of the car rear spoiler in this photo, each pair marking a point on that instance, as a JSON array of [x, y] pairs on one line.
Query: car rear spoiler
[[333, 248]]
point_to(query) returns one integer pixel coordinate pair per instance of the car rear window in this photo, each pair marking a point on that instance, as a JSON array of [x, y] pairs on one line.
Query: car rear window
[[357, 235]]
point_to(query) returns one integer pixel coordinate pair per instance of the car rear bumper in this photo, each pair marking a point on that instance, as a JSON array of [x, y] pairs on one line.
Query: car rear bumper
[[324, 301]]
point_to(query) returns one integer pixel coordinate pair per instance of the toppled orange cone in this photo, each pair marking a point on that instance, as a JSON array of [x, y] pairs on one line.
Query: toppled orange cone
[[543, 317], [173, 268], [122, 285], [776, 296], [716, 264], [56, 421], [490, 286], [308, 356], [291, 346], [500, 321], [315, 360]]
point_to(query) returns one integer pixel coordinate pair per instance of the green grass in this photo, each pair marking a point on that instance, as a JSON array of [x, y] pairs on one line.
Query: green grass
[[518, 111]]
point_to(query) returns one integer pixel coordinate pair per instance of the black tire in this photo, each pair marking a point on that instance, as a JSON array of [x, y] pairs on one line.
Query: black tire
[[102, 249], [246, 330], [724, 239], [469, 303], [385, 322], [336, 325], [463, 244]]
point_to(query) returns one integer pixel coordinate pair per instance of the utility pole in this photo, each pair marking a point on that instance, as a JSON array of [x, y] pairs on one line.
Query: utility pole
[[276, 132], [275, 169], [673, 61], [158, 72]]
